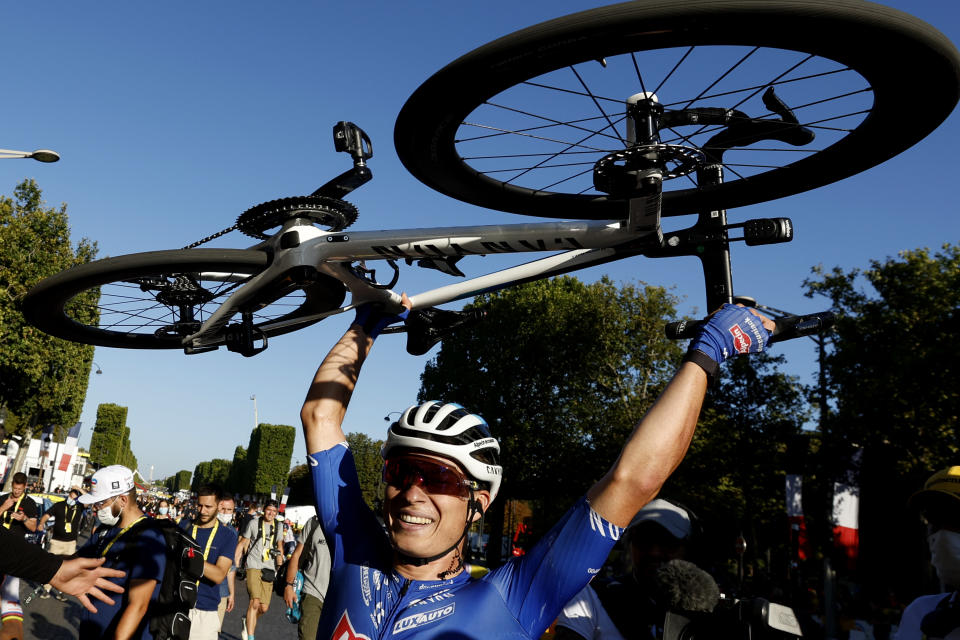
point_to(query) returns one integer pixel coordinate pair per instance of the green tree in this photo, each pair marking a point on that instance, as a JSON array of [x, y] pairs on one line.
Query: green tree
[[238, 481], [893, 375], [268, 456], [215, 471], [561, 371], [109, 432], [43, 380], [181, 481], [301, 485], [366, 456]]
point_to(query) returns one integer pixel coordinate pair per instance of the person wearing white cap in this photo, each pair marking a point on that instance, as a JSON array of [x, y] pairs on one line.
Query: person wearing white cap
[[140, 553], [938, 616]]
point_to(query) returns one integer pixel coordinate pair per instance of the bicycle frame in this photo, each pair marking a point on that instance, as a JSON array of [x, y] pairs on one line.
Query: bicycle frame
[[580, 244]]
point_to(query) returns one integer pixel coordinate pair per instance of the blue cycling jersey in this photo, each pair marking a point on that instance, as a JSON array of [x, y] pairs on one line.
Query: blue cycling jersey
[[367, 599]]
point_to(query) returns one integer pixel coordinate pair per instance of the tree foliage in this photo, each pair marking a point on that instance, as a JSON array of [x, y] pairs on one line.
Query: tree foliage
[[366, 455], [301, 485], [215, 471], [109, 434], [561, 371], [893, 373], [237, 479], [268, 456], [43, 380], [181, 481]]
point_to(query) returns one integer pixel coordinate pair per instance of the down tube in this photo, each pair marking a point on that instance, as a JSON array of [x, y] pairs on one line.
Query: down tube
[[537, 270]]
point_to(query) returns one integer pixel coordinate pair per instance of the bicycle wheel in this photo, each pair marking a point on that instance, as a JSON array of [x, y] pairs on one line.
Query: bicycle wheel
[[518, 124], [150, 300]]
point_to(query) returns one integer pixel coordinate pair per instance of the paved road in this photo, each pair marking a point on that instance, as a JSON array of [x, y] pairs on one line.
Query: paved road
[[51, 619]]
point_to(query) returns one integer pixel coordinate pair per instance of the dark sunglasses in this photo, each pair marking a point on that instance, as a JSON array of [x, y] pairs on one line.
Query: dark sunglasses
[[435, 477]]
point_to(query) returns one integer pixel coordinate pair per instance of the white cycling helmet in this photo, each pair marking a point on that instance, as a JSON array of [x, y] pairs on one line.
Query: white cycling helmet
[[450, 431]]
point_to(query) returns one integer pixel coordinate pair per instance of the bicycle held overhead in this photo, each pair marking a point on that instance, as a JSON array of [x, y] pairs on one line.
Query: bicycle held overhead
[[618, 118]]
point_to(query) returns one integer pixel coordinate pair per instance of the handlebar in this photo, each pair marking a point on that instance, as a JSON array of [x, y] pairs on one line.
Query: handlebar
[[787, 327]]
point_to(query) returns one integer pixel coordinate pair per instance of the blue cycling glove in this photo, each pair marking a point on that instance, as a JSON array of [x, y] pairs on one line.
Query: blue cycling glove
[[730, 331], [373, 319]]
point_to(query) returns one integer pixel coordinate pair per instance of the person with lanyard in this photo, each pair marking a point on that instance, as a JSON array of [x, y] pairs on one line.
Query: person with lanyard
[[141, 553], [226, 511], [262, 541], [18, 513], [406, 578], [67, 517], [219, 543]]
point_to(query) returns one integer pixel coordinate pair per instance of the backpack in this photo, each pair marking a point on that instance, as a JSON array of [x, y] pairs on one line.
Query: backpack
[[169, 619]]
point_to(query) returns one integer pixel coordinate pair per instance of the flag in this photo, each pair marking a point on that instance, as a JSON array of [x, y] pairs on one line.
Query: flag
[[283, 500], [74, 432], [799, 539], [846, 514]]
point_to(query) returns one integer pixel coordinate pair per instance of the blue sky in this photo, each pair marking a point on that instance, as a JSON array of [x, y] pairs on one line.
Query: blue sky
[[174, 118]]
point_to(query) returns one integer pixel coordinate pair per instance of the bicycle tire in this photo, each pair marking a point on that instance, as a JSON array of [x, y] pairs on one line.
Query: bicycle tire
[[884, 46], [49, 305]]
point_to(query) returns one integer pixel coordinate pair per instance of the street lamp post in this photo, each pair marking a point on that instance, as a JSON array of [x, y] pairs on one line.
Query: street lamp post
[[256, 419], [40, 155]]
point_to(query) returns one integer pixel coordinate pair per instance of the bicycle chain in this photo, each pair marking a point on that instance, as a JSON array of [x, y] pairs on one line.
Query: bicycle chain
[[209, 238], [267, 214]]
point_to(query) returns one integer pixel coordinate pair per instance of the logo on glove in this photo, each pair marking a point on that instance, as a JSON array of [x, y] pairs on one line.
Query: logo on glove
[[741, 341]]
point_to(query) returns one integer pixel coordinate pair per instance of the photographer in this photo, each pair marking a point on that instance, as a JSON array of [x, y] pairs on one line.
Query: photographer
[[632, 603], [262, 542]]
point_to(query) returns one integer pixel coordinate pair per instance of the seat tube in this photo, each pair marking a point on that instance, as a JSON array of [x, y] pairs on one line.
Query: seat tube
[[715, 257]]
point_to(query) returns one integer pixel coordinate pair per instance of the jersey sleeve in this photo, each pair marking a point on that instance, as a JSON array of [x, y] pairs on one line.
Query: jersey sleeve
[[349, 526], [537, 585]]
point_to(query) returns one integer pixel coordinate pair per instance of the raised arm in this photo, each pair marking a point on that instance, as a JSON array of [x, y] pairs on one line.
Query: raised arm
[[333, 385], [661, 438]]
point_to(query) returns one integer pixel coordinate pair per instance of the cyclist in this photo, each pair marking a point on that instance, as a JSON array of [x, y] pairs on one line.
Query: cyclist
[[441, 471]]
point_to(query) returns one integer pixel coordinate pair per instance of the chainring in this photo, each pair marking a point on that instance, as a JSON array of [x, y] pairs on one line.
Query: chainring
[[331, 213]]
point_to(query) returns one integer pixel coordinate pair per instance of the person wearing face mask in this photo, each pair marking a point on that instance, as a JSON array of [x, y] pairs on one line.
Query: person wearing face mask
[[163, 510], [141, 553], [938, 616], [67, 516]]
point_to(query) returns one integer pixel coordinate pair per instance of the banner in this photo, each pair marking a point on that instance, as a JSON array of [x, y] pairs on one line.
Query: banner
[[64, 462]]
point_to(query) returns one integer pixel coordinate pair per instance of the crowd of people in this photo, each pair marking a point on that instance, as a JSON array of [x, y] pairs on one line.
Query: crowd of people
[[123, 535], [350, 573]]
